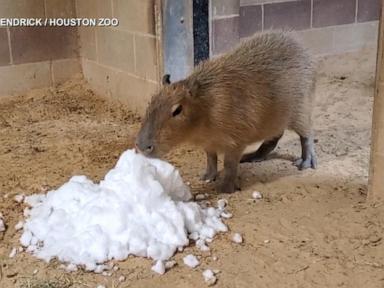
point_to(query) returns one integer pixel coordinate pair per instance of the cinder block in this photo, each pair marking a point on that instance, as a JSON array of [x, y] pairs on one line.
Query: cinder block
[[87, 42], [104, 8], [225, 34], [4, 47], [134, 92], [368, 10], [115, 48], [135, 15], [146, 57], [340, 38], [22, 9], [63, 70], [19, 78], [86, 9], [34, 44], [331, 12], [288, 15], [100, 78], [60, 8], [128, 89], [225, 7], [352, 37], [317, 41], [256, 2], [250, 20]]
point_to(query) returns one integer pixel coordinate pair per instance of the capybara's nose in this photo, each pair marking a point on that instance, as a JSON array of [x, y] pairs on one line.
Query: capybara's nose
[[148, 149], [144, 148]]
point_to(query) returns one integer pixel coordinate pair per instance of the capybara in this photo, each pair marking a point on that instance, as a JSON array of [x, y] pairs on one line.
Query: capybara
[[252, 93]]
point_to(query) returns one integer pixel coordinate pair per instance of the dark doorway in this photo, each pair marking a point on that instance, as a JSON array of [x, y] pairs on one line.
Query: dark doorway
[[200, 30]]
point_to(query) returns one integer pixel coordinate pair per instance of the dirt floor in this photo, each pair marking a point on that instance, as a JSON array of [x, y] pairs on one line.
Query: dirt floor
[[312, 229]]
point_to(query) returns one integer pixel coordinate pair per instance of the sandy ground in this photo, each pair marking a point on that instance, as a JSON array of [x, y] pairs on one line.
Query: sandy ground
[[312, 229]]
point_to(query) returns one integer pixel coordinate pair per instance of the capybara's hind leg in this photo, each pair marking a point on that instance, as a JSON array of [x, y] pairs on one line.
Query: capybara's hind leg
[[303, 126], [211, 171], [308, 155], [261, 154]]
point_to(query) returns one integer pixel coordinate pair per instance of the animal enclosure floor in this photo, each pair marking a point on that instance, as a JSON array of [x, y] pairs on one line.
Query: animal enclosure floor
[[313, 228]]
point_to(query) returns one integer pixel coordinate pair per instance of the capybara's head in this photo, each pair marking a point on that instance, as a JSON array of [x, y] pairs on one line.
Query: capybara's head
[[170, 119]]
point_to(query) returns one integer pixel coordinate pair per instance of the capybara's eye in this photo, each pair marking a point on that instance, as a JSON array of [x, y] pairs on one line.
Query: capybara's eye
[[176, 110]]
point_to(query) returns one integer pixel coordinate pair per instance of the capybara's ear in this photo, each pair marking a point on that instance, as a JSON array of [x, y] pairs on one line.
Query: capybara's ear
[[194, 88], [166, 79]]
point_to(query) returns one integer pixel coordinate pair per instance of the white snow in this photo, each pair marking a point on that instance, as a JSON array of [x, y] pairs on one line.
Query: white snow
[[222, 203], [226, 215], [159, 267], [99, 268], [140, 208], [13, 253], [26, 212], [257, 195], [200, 243], [19, 198], [199, 197], [237, 238], [170, 264], [19, 225], [191, 261], [71, 268], [2, 224], [209, 277]]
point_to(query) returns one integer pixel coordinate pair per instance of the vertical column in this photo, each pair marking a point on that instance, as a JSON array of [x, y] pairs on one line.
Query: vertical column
[[178, 38], [376, 171], [200, 30]]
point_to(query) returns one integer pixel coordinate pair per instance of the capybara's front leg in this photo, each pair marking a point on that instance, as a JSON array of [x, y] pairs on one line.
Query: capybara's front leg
[[211, 171], [231, 163]]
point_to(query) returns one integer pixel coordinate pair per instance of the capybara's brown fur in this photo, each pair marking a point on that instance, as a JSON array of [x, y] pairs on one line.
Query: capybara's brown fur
[[252, 93]]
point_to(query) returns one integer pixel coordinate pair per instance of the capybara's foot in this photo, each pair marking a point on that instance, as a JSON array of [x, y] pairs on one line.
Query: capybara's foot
[[209, 176], [252, 157], [308, 157], [310, 162], [262, 153], [227, 187]]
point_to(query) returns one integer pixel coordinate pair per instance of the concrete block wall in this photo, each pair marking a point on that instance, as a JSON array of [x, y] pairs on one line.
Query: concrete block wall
[[225, 22], [325, 26], [121, 62], [35, 57]]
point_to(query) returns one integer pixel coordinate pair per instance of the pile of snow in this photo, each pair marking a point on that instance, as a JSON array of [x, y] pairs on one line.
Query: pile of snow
[[139, 208], [209, 277], [159, 267], [257, 195], [13, 253], [19, 198], [191, 261], [2, 224], [237, 238]]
